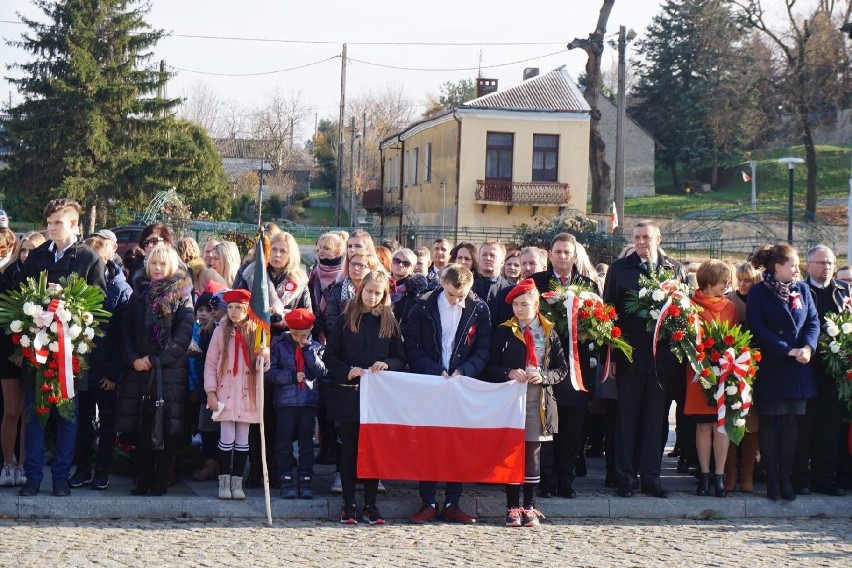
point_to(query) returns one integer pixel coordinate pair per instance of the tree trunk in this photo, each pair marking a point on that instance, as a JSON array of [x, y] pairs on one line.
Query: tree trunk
[[93, 215], [714, 170], [598, 167], [811, 163], [675, 178]]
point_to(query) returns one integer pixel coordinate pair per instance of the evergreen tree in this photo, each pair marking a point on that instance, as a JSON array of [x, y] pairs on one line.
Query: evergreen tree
[[90, 110], [325, 154]]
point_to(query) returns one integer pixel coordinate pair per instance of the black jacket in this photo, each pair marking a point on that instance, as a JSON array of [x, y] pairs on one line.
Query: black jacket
[[487, 289], [140, 338], [623, 276], [345, 349], [508, 351], [422, 333], [408, 290], [106, 360]]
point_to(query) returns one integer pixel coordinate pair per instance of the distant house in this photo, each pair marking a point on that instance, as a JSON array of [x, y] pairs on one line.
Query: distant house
[[639, 152], [505, 158], [240, 155]]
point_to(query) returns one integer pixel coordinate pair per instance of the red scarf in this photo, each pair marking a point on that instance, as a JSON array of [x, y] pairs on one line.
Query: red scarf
[[240, 345], [532, 360], [300, 364]]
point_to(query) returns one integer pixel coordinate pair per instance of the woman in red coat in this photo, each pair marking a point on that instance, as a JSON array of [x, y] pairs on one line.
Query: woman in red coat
[[714, 277]]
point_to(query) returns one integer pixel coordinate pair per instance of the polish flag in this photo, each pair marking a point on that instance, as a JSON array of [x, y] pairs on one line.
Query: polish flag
[[746, 177], [428, 428], [613, 217]]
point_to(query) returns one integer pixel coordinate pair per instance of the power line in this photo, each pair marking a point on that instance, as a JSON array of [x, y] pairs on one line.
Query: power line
[[255, 74], [445, 70]]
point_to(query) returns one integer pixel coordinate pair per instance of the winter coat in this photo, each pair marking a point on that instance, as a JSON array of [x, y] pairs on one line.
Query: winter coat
[[345, 350], [509, 351], [232, 389], [165, 333], [472, 343], [106, 359], [286, 292], [777, 329], [282, 373], [407, 291], [334, 303], [487, 289]]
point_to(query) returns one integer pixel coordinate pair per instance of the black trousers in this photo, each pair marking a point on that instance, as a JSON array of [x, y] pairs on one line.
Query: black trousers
[[817, 452], [569, 441], [641, 408], [105, 401], [349, 432]]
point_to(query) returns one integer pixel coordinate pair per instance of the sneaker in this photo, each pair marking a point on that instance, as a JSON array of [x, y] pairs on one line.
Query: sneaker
[[531, 517], [372, 515], [288, 490], [513, 517], [427, 512], [20, 476], [81, 477], [336, 487], [30, 488], [381, 488], [7, 476], [348, 515], [61, 488], [99, 483], [305, 490], [453, 513]]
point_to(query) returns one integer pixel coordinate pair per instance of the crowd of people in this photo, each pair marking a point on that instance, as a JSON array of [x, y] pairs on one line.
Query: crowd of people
[[180, 329]]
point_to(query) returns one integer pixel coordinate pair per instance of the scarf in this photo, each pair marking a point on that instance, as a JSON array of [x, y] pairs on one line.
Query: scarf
[[532, 359], [241, 346], [300, 363], [347, 291], [781, 290], [715, 307], [324, 274], [163, 298]]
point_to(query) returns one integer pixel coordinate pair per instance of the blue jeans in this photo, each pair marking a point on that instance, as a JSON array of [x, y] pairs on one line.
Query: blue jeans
[[66, 441], [429, 488], [296, 422]]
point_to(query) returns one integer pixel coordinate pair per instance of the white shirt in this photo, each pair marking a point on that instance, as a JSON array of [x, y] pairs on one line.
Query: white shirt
[[59, 254], [450, 319]]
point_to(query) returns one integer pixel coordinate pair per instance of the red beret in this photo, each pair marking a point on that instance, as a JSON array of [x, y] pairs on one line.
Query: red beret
[[521, 288], [300, 318], [239, 296]]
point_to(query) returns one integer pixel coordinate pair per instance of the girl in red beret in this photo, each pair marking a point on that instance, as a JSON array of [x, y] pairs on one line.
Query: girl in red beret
[[230, 382]]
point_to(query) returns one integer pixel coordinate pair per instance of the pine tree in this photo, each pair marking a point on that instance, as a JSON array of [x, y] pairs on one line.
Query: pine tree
[[91, 107]]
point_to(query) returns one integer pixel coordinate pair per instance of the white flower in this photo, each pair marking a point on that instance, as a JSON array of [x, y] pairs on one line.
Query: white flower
[[737, 405], [593, 362], [53, 327], [643, 292], [846, 327], [89, 333], [25, 341], [586, 295], [655, 314], [88, 318], [43, 318], [53, 346], [74, 331], [658, 295], [566, 303], [16, 326], [63, 315], [82, 348], [685, 303], [834, 347], [31, 309], [832, 331], [739, 422], [731, 390]]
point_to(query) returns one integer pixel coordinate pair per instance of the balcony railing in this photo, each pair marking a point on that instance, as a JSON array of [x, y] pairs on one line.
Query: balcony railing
[[372, 199], [511, 193]]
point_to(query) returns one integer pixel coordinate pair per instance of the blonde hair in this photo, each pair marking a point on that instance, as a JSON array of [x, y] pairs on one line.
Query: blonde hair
[[229, 255], [334, 242], [187, 249], [165, 253], [294, 258], [248, 328], [388, 326]]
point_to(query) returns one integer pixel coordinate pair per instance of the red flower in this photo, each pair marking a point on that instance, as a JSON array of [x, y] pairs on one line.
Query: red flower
[[549, 295], [751, 371], [470, 333], [75, 364], [52, 363], [45, 387], [599, 314], [709, 343], [26, 352], [53, 399], [49, 373], [16, 339], [729, 340], [849, 375], [610, 311], [691, 319], [757, 356], [700, 356], [743, 349], [674, 311], [677, 336], [605, 317], [699, 347], [584, 314], [715, 356], [589, 303], [705, 372], [42, 409], [616, 332]]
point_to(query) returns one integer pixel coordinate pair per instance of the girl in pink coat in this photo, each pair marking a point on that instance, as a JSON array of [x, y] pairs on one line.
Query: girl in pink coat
[[230, 381]]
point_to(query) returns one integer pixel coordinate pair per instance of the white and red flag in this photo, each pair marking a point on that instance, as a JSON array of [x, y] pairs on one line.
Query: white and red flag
[[746, 177], [429, 428], [613, 217]]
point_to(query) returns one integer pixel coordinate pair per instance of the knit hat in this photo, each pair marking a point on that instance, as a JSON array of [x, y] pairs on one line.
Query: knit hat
[[204, 300]]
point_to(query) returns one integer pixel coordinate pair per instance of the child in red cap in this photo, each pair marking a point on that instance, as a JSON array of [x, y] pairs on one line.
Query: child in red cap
[[296, 367], [230, 381]]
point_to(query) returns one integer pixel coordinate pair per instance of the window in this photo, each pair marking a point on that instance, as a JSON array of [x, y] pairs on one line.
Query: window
[[406, 168], [545, 157], [427, 174], [498, 155], [415, 165], [388, 174]]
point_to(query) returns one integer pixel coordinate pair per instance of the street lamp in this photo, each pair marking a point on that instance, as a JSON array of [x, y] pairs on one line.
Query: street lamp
[[791, 166], [624, 36]]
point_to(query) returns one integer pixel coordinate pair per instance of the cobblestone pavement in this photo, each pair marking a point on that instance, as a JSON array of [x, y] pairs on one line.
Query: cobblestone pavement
[[803, 542]]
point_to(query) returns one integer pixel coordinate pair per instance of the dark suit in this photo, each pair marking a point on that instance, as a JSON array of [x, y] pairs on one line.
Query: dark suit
[[642, 384]]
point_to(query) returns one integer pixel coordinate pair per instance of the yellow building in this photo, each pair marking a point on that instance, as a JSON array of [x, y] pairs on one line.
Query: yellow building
[[506, 158]]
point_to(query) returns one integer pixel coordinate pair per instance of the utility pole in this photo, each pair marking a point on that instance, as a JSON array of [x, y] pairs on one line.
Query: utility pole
[[339, 181], [352, 219], [620, 118]]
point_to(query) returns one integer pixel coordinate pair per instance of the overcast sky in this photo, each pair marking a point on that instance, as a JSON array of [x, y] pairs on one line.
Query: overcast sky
[[551, 24]]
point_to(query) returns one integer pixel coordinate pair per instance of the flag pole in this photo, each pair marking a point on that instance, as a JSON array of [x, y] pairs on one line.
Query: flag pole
[[266, 496]]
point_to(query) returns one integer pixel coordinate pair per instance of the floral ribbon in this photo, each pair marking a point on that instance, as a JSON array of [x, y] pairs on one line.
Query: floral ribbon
[[65, 351], [664, 313], [468, 339], [730, 364], [572, 306]]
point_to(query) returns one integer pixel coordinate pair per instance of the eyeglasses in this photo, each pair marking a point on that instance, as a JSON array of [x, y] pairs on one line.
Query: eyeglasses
[[357, 265], [151, 241], [401, 262], [822, 262]]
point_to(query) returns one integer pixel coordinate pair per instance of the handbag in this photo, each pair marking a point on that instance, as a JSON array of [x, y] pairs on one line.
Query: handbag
[[152, 409]]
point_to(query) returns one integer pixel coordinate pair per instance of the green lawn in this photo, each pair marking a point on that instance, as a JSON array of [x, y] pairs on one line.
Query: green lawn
[[317, 216], [772, 185]]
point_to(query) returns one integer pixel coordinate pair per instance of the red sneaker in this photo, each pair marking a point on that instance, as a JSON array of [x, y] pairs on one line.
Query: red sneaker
[[426, 513], [454, 514]]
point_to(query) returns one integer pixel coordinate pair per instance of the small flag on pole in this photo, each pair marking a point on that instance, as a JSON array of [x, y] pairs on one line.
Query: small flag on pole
[[746, 177], [613, 217], [259, 303]]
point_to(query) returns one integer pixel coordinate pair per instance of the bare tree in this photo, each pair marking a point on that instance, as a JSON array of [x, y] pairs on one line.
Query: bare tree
[[594, 46], [811, 61], [203, 107], [277, 124]]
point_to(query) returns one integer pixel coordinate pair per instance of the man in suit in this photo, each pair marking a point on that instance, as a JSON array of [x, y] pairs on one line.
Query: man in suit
[[819, 431], [61, 255], [489, 282], [642, 383]]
